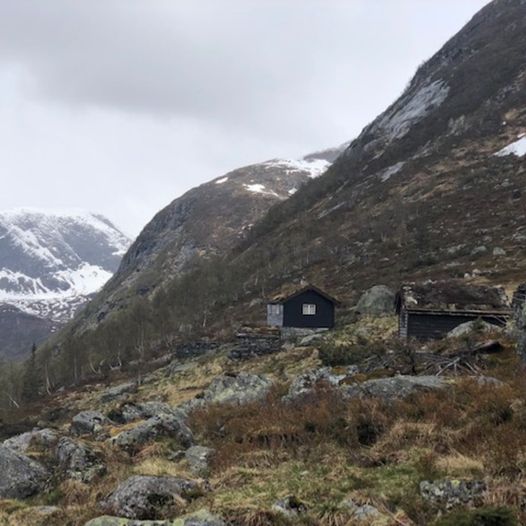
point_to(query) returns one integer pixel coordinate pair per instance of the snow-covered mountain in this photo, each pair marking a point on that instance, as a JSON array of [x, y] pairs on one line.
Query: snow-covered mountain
[[52, 261]]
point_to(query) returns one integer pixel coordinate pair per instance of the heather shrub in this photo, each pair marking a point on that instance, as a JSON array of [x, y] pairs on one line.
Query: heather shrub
[[480, 517]]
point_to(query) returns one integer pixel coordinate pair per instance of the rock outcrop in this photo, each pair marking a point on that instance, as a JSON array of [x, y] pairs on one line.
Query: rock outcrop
[[377, 300], [147, 497], [78, 461], [21, 477]]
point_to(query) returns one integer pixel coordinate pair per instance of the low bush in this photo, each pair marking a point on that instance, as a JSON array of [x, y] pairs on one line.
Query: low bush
[[480, 517]]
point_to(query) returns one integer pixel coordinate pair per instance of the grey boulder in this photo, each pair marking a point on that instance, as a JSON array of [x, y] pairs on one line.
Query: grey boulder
[[21, 476], [118, 392], [198, 459], [377, 300], [88, 423], [148, 497], [199, 518], [171, 425], [305, 383], [396, 387], [450, 493], [78, 461], [37, 437], [290, 507], [237, 389]]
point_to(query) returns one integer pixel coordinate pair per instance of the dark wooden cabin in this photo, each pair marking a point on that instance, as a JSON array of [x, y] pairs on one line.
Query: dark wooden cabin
[[431, 309], [309, 308]]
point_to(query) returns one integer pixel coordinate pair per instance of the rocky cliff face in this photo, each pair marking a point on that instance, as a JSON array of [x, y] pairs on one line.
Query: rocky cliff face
[[50, 264]]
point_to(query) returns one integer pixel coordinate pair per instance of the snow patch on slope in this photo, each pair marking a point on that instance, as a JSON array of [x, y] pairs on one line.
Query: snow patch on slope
[[259, 189], [386, 174], [313, 168], [517, 148]]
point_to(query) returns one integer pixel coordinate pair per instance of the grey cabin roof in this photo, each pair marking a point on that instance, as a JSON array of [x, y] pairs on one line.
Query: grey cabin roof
[[452, 296], [282, 297]]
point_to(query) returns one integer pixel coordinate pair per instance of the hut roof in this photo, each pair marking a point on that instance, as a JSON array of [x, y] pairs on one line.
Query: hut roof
[[282, 297], [452, 296]]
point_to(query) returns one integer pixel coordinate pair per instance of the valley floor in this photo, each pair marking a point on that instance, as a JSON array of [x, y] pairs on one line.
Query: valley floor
[[354, 427]]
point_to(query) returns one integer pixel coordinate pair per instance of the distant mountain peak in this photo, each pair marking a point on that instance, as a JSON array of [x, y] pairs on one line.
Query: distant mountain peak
[[51, 261]]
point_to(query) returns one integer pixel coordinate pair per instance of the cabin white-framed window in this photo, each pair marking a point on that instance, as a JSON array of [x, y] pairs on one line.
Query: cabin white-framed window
[[309, 309]]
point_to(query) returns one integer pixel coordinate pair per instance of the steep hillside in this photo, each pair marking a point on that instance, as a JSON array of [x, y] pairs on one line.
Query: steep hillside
[[434, 186], [50, 264], [208, 220]]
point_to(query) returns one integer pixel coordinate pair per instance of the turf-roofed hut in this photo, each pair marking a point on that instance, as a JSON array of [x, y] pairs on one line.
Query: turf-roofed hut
[[306, 308], [429, 310]]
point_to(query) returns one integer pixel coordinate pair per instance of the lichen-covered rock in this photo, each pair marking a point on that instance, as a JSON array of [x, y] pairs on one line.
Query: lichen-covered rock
[[198, 459], [148, 497], [290, 506], [88, 423], [361, 512], [20, 477], [130, 412], [77, 461], [237, 389], [450, 493], [377, 300], [38, 437], [396, 387], [305, 383], [118, 391], [171, 425], [198, 518]]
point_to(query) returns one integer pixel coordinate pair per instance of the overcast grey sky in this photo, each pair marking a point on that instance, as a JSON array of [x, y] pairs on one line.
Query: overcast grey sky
[[119, 106]]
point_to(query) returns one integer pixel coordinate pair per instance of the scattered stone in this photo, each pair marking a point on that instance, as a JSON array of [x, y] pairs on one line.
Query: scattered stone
[[38, 437], [21, 477], [237, 389], [361, 512], [377, 300], [479, 250], [450, 493], [306, 383], [130, 412], [396, 387], [199, 518], [499, 251], [117, 392], [294, 334], [251, 346], [88, 423], [198, 458], [309, 340], [489, 380], [148, 497], [78, 461], [195, 349], [290, 507], [472, 326], [171, 425]]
